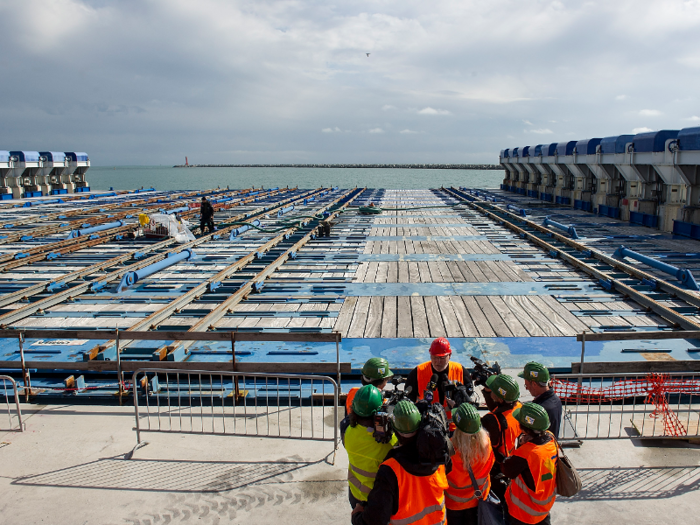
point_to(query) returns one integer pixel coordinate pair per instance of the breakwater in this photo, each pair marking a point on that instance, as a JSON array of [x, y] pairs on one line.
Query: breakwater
[[386, 166]]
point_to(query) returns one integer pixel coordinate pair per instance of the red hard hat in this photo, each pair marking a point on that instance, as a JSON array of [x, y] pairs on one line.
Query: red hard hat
[[440, 347]]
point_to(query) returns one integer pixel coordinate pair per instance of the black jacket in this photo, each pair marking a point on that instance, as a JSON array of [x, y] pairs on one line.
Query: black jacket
[[206, 210], [383, 500], [412, 381], [552, 405]]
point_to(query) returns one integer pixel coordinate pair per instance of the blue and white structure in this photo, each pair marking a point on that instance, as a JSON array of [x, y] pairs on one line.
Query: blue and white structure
[[36, 174], [649, 178]]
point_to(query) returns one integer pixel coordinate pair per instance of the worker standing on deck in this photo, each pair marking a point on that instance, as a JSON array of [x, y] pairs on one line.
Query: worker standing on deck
[[503, 393], [432, 376], [407, 489], [472, 451], [374, 372], [536, 378], [532, 467], [206, 212], [364, 453]]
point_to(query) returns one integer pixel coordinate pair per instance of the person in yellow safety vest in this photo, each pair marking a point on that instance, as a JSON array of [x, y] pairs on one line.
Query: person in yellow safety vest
[[532, 469], [472, 451], [433, 375], [364, 453], [503, 393], [406, 490], [374, 372]]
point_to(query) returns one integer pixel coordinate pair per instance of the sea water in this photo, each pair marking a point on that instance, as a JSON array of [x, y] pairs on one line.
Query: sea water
[[169, 178]]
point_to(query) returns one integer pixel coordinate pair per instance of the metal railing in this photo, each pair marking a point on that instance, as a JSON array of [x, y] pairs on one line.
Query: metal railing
[[18, 415], [645, 405], [290, 406]]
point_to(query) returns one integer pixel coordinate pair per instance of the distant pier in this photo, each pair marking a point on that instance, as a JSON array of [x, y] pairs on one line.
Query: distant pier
[[387, 166]]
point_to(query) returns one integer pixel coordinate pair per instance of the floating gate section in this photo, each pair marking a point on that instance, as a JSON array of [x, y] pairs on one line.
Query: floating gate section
[[290, 406], [8, 384]]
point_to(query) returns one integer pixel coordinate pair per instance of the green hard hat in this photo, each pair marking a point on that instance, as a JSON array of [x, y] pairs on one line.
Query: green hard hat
[[535, 372], [377, 368], [532, 415], [504, 387], [406, 417], [367, 401], [466, 418]]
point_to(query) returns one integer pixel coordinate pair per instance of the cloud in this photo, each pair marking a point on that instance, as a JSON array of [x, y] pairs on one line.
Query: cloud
[[528, 123], [407, 132], [694, 118], [388, 107], [541, 131], [431, 111], [376, 130], [621, 97], [650, 113], [641, 130], [331, 130]]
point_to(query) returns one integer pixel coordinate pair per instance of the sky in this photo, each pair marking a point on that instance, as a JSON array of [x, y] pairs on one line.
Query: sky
[[148, 82]]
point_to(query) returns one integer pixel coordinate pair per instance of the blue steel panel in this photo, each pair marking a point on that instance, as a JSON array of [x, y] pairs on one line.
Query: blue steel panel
[[516, 152], [688, 139], [615, 144], [506, 153], [525, 152], [587, 147], [4, 156], [538, 150], [654, 141], [566, 148], [26, 156], [79, 156], [53, 156]]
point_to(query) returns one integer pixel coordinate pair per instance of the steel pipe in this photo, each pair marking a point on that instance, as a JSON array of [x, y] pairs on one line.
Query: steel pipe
[[683, 275], [285, 210], [235, 233], [93, 229], [131, 278], [568, 229]]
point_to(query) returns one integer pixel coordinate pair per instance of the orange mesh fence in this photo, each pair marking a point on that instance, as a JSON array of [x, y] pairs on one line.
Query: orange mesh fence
[[654, 388]]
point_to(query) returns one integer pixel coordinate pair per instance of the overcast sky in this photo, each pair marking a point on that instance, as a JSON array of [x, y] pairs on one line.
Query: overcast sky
[[150, 81]]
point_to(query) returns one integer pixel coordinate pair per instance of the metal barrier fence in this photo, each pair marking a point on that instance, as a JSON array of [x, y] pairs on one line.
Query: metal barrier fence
[[644, 405], [18, 416], [290, 406]]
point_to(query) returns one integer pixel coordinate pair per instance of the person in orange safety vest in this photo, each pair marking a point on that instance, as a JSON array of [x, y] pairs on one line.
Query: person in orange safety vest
[[532, 469], [406, 490], [472, 451], [434, 375]]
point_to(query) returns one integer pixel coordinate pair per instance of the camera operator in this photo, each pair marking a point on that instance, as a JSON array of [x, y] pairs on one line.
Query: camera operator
[[435, 375], [365, 454], [407, 489], [374, 372]]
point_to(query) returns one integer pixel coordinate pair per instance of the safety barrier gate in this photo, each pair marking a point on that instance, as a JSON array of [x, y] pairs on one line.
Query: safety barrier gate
[[618, 406], [18, 411], [658, 402], [290, 406]]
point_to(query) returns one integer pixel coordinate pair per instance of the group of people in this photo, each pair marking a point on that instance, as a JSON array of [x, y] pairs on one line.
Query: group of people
[[510, 454]]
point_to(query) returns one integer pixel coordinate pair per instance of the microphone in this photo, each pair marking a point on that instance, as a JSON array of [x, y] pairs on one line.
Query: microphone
[[432, 385]]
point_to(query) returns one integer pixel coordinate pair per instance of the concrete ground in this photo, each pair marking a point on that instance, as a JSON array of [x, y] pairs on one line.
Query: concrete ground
[[68, 467]]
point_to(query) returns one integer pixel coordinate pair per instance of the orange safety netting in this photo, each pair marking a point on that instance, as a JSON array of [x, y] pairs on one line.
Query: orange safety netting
[[654, 388]]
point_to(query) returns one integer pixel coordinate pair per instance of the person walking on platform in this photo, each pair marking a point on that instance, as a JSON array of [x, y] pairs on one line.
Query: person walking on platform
[[435, 375], [206, 216], [502, 427], [407, 490], [374, 372], [472, 451], [365, 454], [532, 469], [536, 378]]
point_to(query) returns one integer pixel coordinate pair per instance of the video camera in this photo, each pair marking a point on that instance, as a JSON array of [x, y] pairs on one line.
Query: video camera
[[383, 431], [482, 371]]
